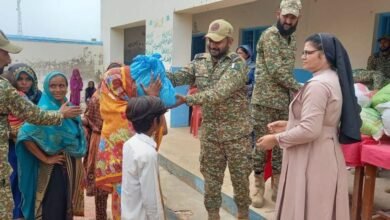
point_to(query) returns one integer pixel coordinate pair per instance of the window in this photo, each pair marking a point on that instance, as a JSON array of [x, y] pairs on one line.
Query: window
[[250, 36], [382, 28], [198, 44]]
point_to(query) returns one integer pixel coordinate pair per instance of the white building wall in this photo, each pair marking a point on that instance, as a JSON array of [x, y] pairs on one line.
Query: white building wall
[[352, 21], [158, 16], [169, 24]]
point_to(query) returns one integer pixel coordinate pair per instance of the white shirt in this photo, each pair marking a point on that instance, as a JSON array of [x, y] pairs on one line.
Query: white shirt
[[140, 196]]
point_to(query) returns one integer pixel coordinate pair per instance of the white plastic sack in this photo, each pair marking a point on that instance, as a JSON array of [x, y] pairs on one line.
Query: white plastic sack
[[384, 109], [363, 95], [386, 121], [372, 123]]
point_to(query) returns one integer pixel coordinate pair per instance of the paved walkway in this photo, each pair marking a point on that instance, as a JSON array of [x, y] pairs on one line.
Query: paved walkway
[[181, 201], [181, 149]]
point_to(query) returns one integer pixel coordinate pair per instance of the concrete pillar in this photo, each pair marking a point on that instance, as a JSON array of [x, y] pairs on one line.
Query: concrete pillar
[[181, 55], [117, 39], [182, 38]]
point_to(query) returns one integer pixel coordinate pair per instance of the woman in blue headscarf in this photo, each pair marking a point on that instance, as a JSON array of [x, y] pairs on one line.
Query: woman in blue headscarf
[[49, 158]]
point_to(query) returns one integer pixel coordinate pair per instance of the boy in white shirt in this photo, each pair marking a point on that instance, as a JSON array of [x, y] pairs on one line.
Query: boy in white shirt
[[141, 196]]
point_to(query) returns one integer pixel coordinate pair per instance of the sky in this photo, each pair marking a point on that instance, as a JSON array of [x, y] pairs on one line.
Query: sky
[[67, 19]]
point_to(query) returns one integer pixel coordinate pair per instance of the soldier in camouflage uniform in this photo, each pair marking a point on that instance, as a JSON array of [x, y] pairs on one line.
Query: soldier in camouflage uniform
[[12, 102], [273, 83], [220, 77], [373, 79], [377, 74]]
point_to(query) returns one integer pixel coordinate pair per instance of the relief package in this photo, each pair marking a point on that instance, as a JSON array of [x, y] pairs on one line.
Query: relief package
[[372, 123], [146, 66]]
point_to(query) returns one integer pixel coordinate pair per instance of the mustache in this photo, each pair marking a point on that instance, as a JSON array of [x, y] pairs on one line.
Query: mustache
[[384, 49], [286, 32], [214, 49]]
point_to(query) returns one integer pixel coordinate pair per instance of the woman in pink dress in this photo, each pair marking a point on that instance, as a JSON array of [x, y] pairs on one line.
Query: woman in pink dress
[[76, 85]]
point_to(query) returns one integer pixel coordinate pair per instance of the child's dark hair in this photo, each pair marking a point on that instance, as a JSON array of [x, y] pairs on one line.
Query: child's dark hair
[[142, 111]]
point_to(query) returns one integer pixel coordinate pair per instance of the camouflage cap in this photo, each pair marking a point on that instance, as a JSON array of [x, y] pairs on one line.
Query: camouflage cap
[[290, 7], [384, 37], [219, 30], [6, 45]]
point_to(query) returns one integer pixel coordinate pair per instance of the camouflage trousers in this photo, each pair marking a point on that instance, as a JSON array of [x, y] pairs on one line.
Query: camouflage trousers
[[262, 116], [6, 202], [214, 157]]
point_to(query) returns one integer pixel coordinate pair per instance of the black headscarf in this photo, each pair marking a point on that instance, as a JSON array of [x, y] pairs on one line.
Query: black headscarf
[[34, 94], [89, 92], [350, 121]]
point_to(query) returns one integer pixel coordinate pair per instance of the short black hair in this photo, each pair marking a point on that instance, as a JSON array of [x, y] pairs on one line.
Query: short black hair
[[142, 111], [143, 126]]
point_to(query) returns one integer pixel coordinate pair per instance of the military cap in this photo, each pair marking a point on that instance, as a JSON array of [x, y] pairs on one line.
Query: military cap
[[6, 45], [290, 7], [219, 30]]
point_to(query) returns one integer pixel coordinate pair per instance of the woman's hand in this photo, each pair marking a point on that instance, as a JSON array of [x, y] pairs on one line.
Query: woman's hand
[[154, 87], [266, 142], [277, 126], [55, 159]]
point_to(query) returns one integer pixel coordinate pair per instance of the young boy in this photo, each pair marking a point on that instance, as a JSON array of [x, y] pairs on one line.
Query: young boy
[[140, 196]]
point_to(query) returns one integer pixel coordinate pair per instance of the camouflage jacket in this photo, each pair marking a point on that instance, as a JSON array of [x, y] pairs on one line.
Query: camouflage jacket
[[222, 95], [11, 101], [274, 70], [380, 62], [373, 79]]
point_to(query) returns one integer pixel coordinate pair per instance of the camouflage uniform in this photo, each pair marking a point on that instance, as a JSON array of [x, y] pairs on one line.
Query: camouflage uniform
[[373, 79], [377, 74], [226, 123], [12, 102], [273, 83], [380, 62]]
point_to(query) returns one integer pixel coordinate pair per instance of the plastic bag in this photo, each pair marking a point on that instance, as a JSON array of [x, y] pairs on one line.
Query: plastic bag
[[384, 109], [372, 123], [363, 95], [145, 66], [386, 121], [381, 96]]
